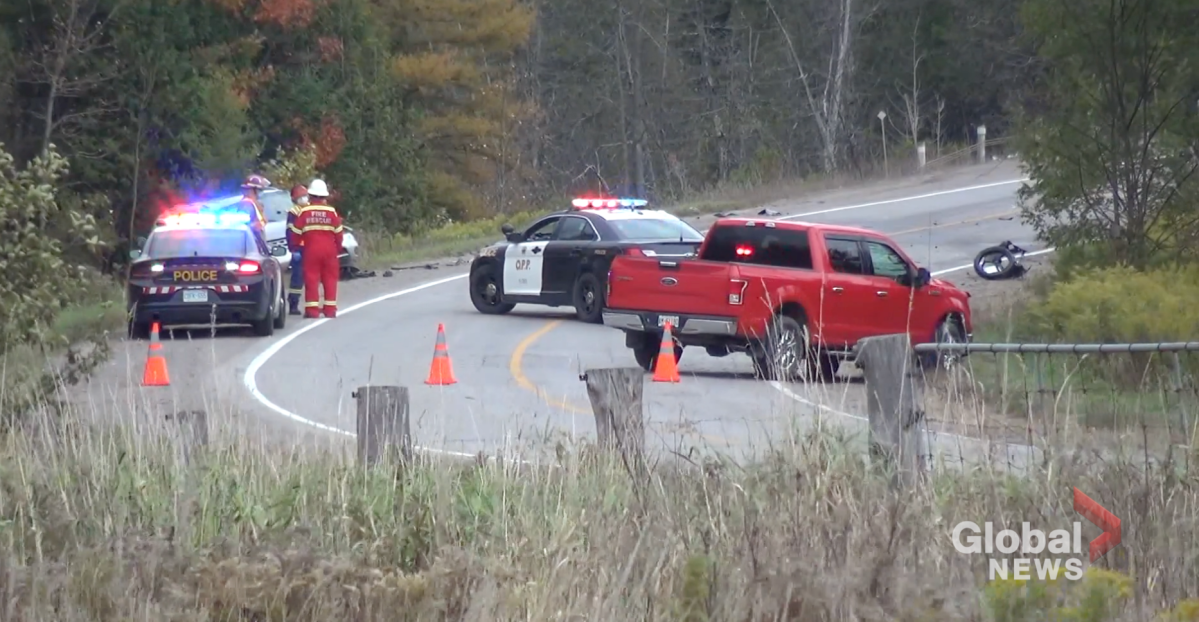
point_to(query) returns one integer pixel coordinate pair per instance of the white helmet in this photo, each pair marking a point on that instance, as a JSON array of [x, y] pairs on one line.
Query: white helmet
[[318, 188]]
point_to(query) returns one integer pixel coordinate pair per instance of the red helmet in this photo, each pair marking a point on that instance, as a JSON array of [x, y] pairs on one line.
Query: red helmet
[[298, 191], [258, 182]]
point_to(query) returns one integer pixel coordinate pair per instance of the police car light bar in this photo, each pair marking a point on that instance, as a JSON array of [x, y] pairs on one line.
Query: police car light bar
[[207, 219], [609, 203]]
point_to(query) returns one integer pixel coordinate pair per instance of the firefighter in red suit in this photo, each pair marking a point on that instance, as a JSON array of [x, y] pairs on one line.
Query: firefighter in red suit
[[317, 228]]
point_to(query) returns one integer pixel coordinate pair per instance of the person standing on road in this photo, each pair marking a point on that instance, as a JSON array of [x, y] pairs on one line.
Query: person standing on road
[[295, 288], [318, 230]]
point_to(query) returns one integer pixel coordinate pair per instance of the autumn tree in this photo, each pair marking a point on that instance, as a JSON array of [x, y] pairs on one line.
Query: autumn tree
[[456, 65], [1109, 139]]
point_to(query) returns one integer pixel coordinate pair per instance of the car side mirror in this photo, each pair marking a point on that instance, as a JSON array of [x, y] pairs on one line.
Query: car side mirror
[[923, 277], [140, 243], [135, 253], [506, 229]]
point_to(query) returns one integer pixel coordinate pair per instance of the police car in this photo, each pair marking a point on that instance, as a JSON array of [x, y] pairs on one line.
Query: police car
[[563, 258], [202, 269]]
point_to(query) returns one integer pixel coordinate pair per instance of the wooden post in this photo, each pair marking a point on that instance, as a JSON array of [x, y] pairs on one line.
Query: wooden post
[[896, 414], [191, 432], [383, 427], [616, 401], [982, 144]]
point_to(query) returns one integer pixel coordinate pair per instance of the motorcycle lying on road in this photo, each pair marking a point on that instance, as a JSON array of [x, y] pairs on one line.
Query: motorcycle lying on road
[[1001, 261]]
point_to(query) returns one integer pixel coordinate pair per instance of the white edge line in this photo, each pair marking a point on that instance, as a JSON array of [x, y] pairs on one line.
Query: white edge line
[[251, 381], [902, 199]]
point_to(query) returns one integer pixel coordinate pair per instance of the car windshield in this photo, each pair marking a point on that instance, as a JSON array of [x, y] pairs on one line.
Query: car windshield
[[643, 229], [198, 243], [276, 205]]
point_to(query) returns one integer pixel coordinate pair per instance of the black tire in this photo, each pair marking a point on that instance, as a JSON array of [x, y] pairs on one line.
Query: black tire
[[647, 353], [783, 355], [949, 330], [265, 327], [281, 311], [998, 254], [589, 299], [485, 292]]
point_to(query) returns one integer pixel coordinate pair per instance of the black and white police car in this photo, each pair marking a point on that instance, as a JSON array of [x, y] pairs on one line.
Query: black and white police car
[[563, 258]]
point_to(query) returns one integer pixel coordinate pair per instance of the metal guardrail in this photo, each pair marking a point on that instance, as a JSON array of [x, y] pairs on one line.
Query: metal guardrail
[[1058, 348]]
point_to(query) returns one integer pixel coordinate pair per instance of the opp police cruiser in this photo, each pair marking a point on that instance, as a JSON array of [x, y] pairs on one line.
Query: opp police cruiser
[[562, 259]]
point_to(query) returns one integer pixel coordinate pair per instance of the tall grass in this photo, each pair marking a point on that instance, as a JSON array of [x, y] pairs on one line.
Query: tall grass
[[101, 519]]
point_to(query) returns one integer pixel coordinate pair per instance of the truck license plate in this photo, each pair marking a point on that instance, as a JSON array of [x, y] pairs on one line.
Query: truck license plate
[[195, 295], [673, 319]]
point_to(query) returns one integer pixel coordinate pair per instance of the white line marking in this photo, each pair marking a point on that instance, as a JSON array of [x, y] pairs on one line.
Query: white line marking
[[251, 381], [902, 199], [970, 266]]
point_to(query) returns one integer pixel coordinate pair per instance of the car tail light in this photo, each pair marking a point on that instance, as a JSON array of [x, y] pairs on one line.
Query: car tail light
[[737, 291], [146, 270], [249, 267]]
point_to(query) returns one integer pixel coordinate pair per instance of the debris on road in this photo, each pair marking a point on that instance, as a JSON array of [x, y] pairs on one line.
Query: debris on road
[[353, 272], [724, 214], [1001, 261], [769, 212]]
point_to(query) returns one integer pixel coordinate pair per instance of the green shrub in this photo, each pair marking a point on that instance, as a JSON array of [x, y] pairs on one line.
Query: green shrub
[[1119, 305]]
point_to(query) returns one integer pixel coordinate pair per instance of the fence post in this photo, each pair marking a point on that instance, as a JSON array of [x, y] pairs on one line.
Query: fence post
[[921, 156], [982, 144], [383, 427], [616, 401], [893, 405]]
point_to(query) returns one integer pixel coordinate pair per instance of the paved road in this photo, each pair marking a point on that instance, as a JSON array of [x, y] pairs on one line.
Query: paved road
[[518, 374]]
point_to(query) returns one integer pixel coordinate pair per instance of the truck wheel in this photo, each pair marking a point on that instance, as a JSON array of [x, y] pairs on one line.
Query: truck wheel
[[485, 292], [949, 330], [589, 299], [783, 356], [647, 353]]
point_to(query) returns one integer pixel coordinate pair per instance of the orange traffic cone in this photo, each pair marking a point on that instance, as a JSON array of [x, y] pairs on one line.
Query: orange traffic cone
[[155, 374], [666, 368], [442, 370]]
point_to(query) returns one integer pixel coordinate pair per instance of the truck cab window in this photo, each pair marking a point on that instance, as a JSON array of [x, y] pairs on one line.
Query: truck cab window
[[845, 256], [886, 262], [763, 246]]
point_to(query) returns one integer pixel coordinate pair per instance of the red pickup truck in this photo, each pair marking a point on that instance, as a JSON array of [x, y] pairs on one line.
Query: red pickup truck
[[794, 296]]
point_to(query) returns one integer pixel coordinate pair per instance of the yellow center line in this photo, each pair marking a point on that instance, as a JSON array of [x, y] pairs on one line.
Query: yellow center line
[[944, 225], [516, 368]]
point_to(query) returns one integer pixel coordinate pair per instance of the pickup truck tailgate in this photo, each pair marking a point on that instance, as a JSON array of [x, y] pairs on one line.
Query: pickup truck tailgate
[[670, 285]]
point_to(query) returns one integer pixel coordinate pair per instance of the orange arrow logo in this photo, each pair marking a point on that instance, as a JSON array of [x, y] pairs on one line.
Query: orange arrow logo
[[1100, 517]]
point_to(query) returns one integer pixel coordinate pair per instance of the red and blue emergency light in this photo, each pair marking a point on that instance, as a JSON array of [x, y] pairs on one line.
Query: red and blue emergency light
[[584, 203], [208, 214]]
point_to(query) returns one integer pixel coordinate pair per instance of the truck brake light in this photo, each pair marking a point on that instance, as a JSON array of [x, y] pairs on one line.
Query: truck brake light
[[737, 291], [608, 286], [744, 250]]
